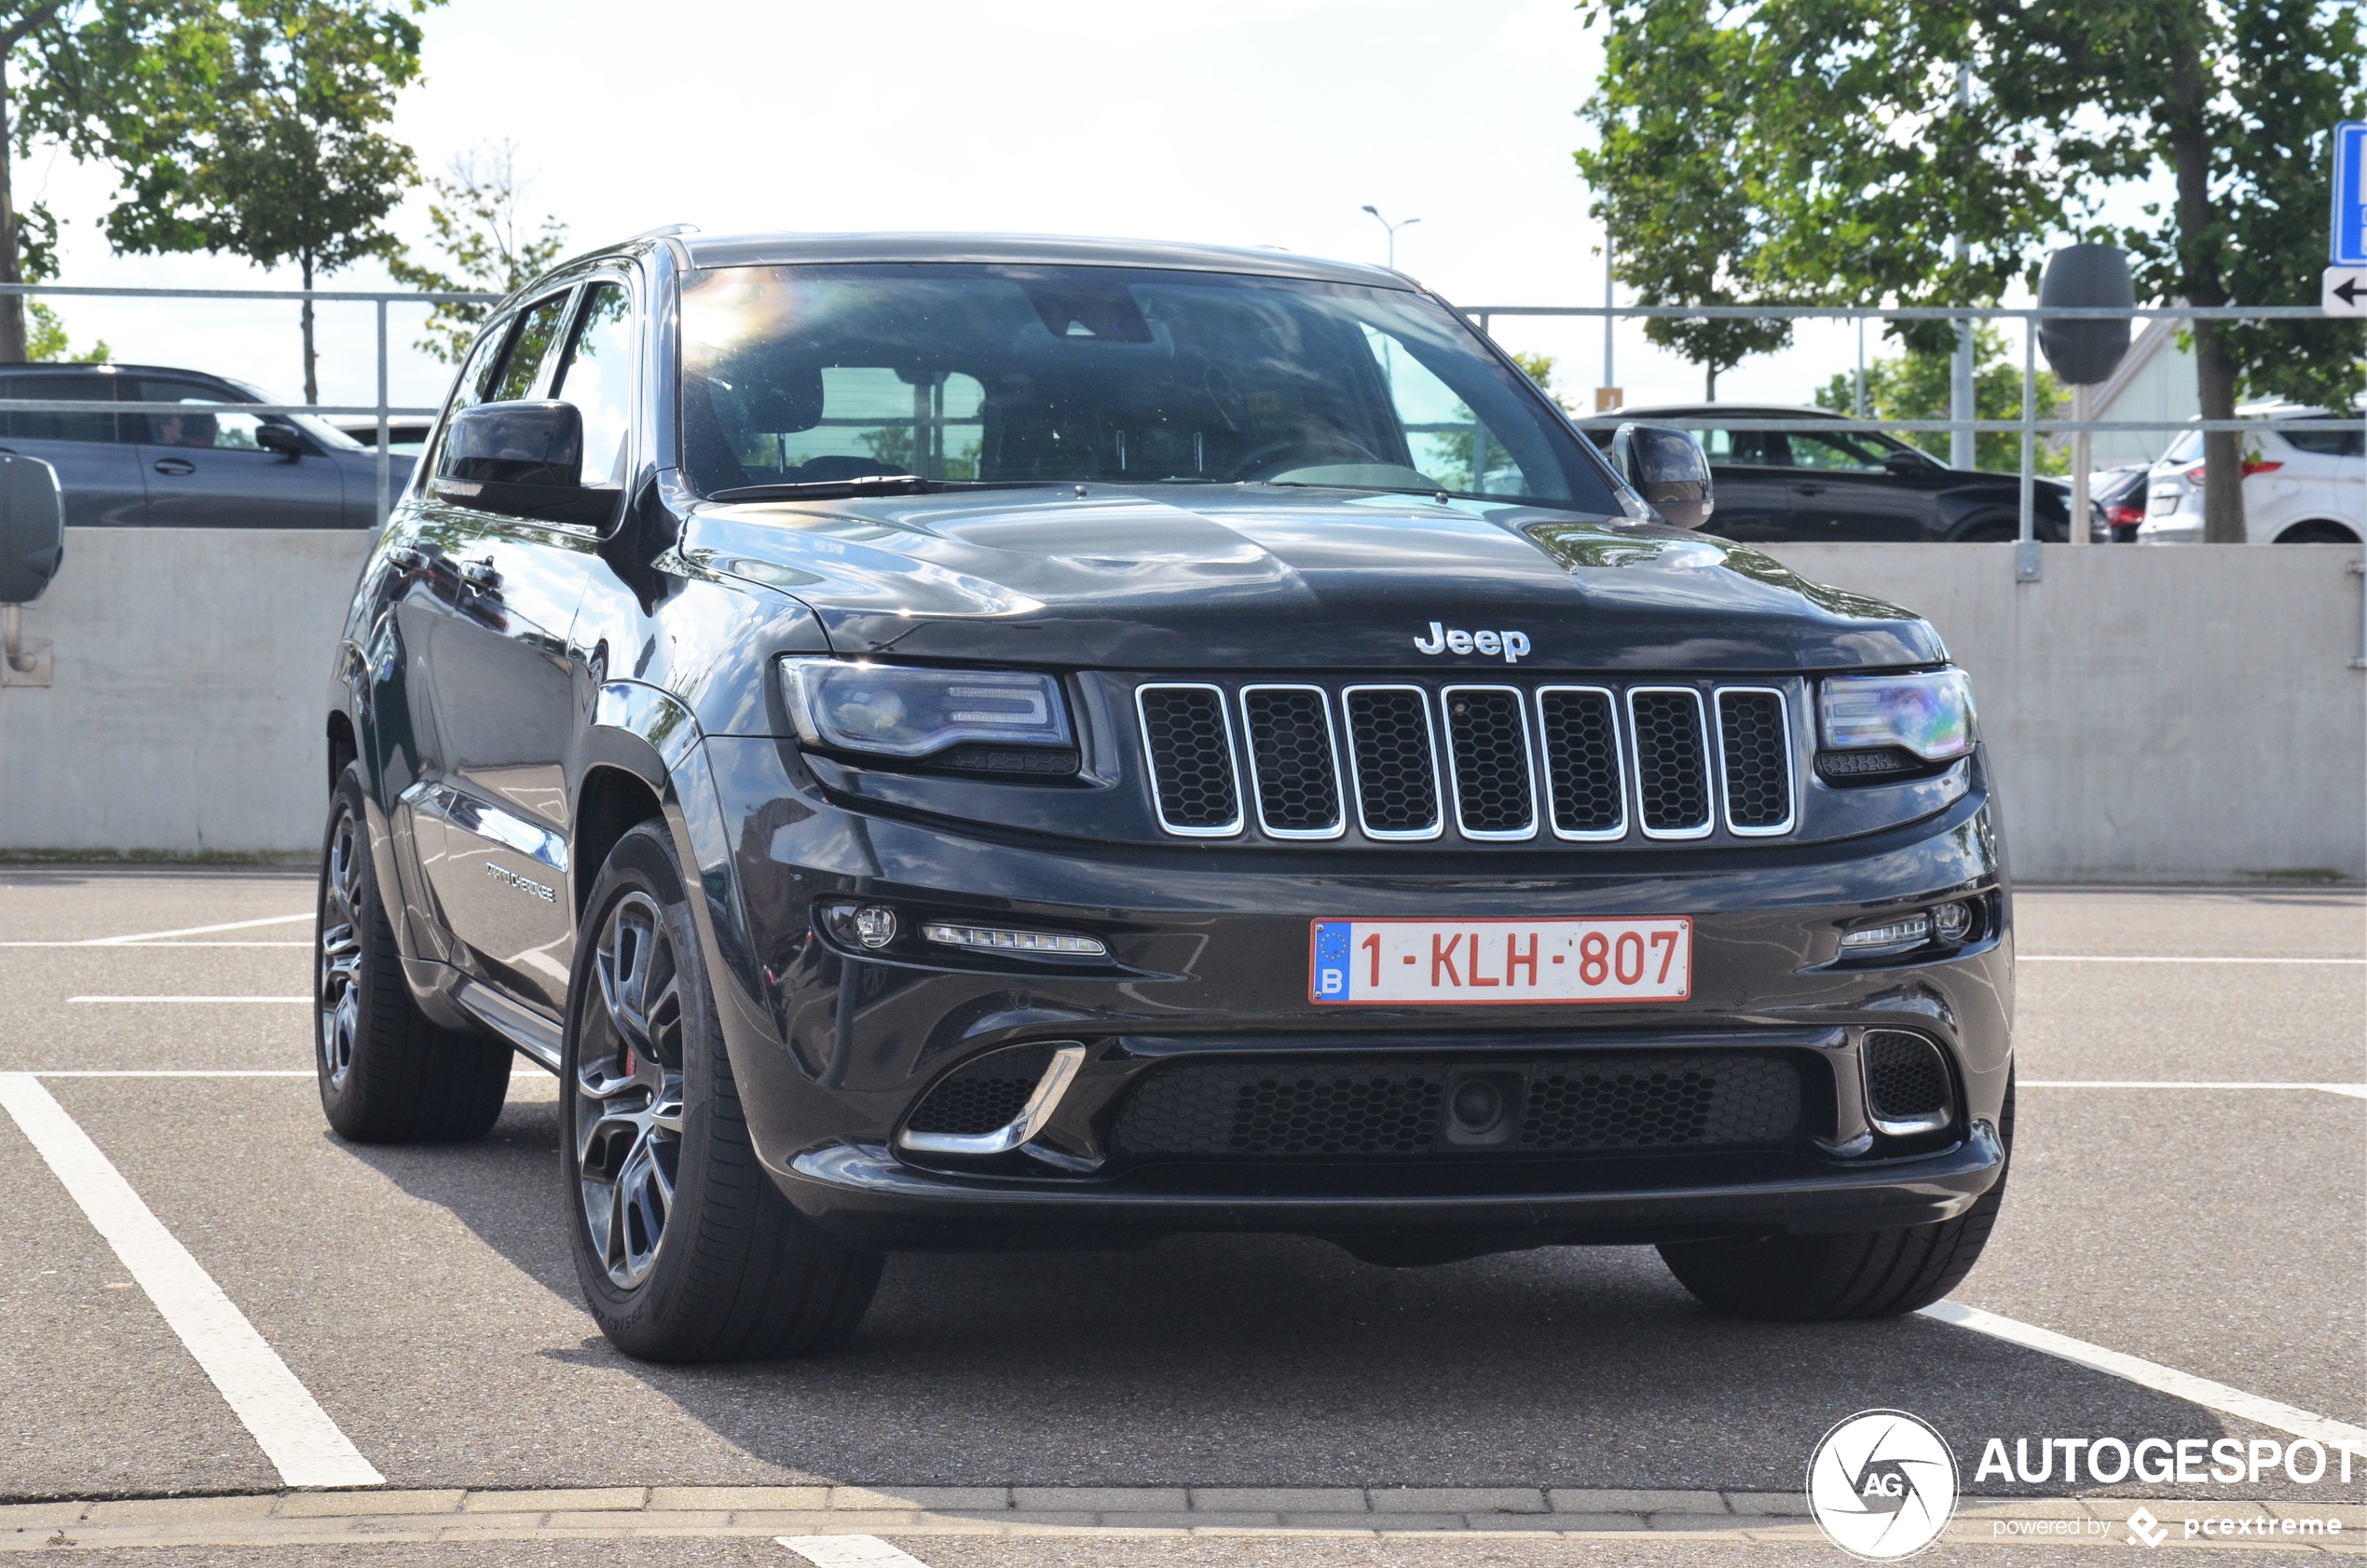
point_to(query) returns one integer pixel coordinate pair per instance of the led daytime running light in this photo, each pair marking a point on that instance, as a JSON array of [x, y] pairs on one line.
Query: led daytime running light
[[1001, 940]]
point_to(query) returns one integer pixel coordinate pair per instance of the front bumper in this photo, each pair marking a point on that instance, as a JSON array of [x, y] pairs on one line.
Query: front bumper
[[833, 1048]]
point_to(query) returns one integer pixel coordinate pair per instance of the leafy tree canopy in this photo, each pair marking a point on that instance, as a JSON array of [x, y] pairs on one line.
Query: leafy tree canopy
[[1914, 384], [489, 246], [1928, 152]]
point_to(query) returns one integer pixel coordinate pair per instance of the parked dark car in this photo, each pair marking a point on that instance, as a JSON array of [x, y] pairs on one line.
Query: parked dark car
[[1845, 483], [406, 433], [206, 468], [967, 742], [2120, 494]]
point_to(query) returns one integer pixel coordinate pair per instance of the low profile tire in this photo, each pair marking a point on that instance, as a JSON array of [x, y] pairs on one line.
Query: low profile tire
[[1831, 1279], [686, 1250], [388, 1073]]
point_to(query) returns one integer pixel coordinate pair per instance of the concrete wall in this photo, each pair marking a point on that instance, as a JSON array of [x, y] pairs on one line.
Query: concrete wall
[[2167, 714], [185, 708]]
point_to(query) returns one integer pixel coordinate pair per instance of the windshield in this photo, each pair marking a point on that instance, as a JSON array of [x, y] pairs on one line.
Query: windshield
[[815, 374]]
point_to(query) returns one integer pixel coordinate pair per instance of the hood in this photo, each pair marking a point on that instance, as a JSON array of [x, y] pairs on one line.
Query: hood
[[1195, 577]]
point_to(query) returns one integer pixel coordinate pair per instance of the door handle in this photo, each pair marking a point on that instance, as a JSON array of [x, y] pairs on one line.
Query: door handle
[[480, 574], [405, 559], [176, 467]]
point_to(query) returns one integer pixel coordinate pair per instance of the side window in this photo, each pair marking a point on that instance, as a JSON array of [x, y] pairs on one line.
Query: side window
[[528, 348], [476, 381], [1750, 448], [1833, 453], [24, 426], [219, 428], [597, 378]]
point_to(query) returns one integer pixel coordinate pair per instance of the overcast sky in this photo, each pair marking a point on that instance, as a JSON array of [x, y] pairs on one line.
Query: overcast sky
[[1259, 122]]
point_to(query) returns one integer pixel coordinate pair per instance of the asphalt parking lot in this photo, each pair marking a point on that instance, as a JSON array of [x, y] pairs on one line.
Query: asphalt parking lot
[[2189, 1185]]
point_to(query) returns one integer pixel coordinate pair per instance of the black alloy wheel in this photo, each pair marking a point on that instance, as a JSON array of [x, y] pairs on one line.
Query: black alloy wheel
[[685, 1248], [388, 1073]]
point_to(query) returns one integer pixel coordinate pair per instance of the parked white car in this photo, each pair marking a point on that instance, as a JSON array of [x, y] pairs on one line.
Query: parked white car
[[2300, 487]]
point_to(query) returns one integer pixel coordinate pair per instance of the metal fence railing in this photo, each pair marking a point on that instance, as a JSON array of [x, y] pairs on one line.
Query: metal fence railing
[[2030, 427], [381, 409]]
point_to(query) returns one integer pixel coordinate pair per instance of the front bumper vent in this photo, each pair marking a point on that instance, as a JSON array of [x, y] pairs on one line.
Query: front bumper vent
[[1597, 1103], [1907, 1089], [1589, 763]]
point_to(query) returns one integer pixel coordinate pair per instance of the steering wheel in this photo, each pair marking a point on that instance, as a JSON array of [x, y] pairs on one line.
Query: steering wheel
[[1304, 453]]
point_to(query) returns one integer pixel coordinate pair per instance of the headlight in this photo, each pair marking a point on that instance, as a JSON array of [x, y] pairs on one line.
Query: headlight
[[1929, 715], [899, 710]]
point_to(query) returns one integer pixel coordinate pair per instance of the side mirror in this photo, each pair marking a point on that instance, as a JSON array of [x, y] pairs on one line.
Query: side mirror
[[1668, 469], [1904, 462], [280, 439], [32, 528], [33, 546], [524, 458]]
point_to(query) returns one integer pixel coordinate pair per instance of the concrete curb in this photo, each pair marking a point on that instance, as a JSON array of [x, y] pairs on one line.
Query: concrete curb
[[609, 1513]]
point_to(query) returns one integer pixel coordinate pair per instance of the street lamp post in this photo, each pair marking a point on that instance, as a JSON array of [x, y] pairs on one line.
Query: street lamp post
[[1392, 228]]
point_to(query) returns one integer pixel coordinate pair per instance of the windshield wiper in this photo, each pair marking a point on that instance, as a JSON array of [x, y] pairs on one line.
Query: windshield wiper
[[867, 484]]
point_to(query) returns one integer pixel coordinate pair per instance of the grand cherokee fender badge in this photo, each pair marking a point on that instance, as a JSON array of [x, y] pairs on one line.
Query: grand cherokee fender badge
[[1512, 644]]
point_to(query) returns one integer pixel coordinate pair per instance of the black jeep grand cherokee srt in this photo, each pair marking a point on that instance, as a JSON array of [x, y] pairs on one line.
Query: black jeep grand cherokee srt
[[961, 742]]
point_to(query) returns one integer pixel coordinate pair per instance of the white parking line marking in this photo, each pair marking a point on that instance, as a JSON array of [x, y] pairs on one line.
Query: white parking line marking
[[299, 999], [2356, 1091], [193, 930], [848, 1551], [2119, 957], [170, 1072], [122, 944], [294, 1431], [2152, 1375]]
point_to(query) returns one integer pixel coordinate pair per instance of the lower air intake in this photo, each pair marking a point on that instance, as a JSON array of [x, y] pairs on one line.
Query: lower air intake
[[983, 1096], [1694, 1101], [1906, 1079]]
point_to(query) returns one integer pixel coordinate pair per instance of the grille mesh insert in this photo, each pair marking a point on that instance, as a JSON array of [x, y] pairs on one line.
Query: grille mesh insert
[[1581, 760], [1694, 1099], [983, 1096], [1191, 761], [1396, 775], [1672, 774], [1905, 1077], [1489, 747], [1758, 756], [1290, 731]]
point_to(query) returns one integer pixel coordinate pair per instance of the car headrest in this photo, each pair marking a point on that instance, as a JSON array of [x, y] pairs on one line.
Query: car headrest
[[779, 396]]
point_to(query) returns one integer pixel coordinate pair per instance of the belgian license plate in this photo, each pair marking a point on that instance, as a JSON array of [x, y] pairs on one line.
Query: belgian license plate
[[1467, 962]]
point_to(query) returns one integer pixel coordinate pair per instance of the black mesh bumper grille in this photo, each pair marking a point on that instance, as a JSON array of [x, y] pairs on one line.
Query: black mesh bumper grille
[[1906, 1078], [1755, 749], [1488, 743], [1191, 757], [1672, 774], [1581, 761], [1699, 1100], [1673, 759], [1289, 733], [1389, 733], [982, 1095]]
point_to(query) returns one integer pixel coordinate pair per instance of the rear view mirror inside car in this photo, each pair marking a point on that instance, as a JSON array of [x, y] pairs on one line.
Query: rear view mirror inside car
[[1668, 469]]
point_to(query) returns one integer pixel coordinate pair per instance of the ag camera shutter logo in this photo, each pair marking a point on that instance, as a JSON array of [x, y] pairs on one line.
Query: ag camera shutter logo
[[1882, 1485]]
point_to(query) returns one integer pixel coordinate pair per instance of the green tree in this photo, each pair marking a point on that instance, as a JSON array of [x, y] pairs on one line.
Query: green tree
[[1540, 369], [488, 244], [68, 70], [1666, 181], [1914, 384], [281, 160], [2237, 99], [1929, 151]]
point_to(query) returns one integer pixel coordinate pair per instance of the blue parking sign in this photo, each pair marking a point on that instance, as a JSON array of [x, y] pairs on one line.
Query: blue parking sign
[[2349, 247]]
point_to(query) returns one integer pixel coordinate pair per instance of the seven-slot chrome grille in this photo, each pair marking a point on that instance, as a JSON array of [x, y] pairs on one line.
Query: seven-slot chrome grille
[[1494, 762]]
